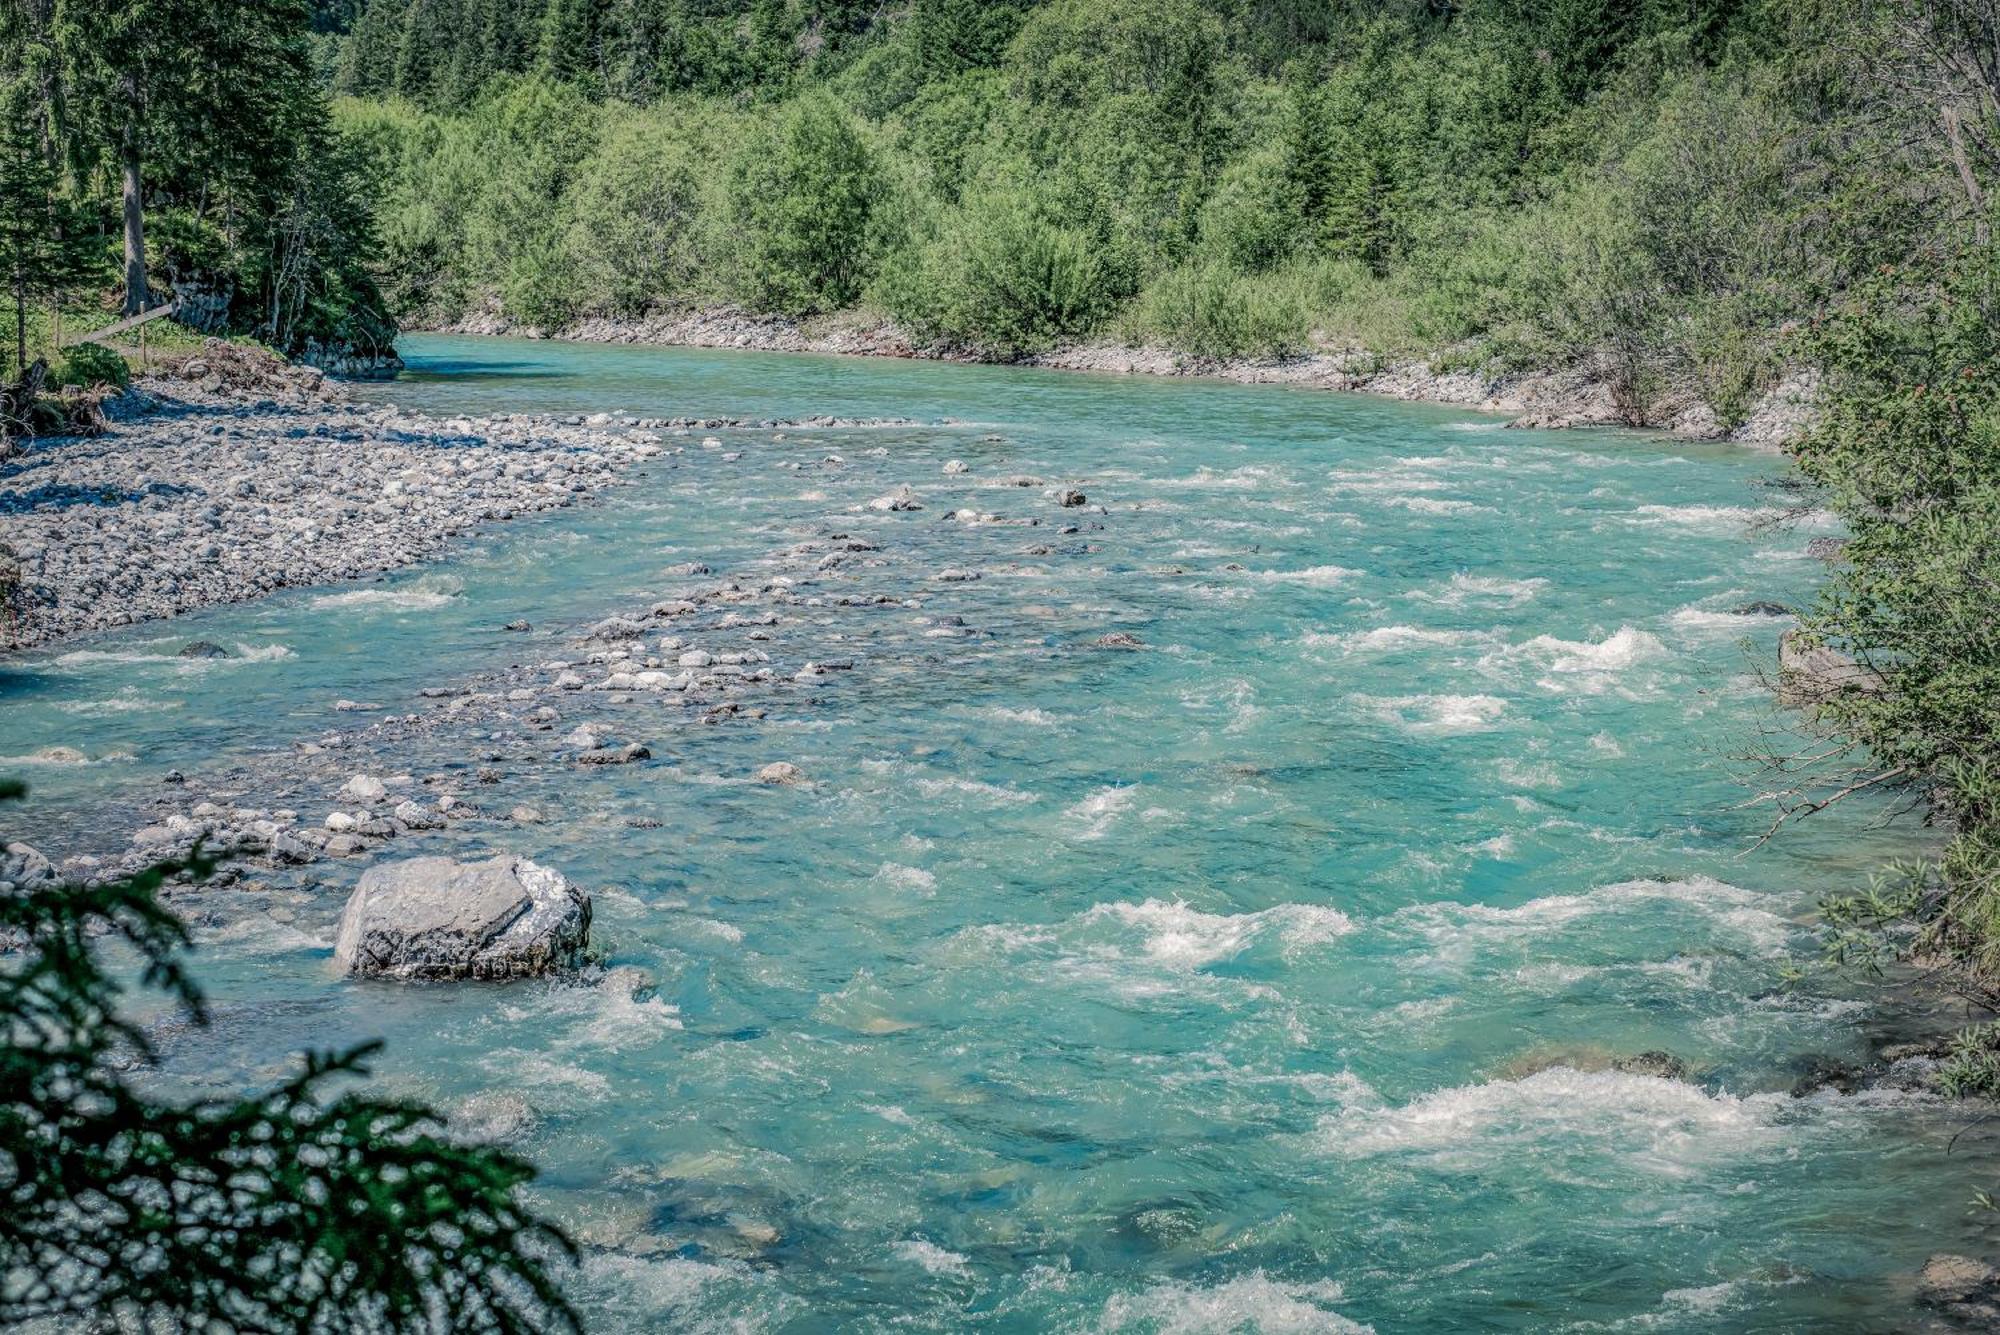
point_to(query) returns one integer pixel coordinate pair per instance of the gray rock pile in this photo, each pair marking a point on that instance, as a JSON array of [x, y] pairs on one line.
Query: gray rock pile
[[172, 512]]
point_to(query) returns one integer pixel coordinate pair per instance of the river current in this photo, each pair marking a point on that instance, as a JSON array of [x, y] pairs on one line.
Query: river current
[[1266, 976]]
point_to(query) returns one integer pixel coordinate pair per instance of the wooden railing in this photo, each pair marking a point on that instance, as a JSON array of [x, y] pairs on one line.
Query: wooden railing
[[129, 322]]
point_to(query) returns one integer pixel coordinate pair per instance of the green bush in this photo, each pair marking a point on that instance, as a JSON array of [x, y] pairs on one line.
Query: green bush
[[633, 229], [802, 194], [1211, 311], [85, 365], [1008, 277]]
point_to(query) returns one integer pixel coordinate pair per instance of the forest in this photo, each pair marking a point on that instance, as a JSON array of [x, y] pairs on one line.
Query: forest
[[1658, 189]]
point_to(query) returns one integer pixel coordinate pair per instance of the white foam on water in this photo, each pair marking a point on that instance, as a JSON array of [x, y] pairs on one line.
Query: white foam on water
[[1702, 518], [64, 756], [262, 653], [1606, 745], [1698, 620], [1250, 477], [1094, 816], [559, 1086], [1431, 505], [427, 591], [166, 653], [83, 657], [1316, 577], [611, 1015], [1665, 1127], [668, 1292], [713, 927], [1463, 588], [1454, 927], [1428, 714], [1393, 639], [1519, 773], [1034, 718], [932, 1258], [125, 702], [1624, 648], [904, 877], [1183, 938], [266, 934], [1253, 1303], [991, 792], [1395, 479]]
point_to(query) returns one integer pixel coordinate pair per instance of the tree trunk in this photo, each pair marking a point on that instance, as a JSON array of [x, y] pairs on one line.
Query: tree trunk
[[136, 294], [21, 321]]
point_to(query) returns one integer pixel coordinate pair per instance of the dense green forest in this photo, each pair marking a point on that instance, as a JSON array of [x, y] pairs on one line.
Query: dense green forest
[[163, 149], [1658, 188]]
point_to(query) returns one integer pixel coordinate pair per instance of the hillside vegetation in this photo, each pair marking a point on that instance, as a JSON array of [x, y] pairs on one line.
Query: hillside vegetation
[[1656, 189]]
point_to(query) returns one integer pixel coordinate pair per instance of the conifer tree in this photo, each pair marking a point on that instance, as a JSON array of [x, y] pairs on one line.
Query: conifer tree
[[300, 1208], [42, 245]]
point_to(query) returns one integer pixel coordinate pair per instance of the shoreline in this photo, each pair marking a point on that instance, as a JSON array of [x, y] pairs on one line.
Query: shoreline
[[1547, 399], [210, 488]]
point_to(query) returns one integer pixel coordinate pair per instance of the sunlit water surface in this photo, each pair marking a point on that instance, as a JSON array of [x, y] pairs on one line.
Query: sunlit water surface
[[1250, 980]]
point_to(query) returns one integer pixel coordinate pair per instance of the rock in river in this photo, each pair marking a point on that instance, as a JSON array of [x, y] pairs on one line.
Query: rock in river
[[1962, 1288], [1810, 674], [435, 918], [203, 649]]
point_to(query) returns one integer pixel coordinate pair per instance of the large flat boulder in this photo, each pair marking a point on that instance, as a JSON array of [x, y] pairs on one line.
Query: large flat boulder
[[436, 918]]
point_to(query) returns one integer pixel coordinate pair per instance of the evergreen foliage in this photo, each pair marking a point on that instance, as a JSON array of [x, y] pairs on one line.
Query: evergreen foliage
[[306, 1207], [200, 134], [1495, 181]]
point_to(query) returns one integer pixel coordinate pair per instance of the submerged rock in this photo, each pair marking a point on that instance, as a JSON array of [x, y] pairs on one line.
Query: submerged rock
[[436, 918], [1811, 674], [203, 649], [1659, 1065], [614, 755], [491, 1118], [781, 772], [1963, 1288]]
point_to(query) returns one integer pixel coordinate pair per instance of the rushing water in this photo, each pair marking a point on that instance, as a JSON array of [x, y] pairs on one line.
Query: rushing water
[[1261, 978]]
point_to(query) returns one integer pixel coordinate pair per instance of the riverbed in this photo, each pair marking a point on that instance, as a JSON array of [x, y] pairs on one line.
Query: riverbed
[[1246, 832]]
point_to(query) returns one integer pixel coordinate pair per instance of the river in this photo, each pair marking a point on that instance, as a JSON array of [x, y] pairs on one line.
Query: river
[[1265, 976]]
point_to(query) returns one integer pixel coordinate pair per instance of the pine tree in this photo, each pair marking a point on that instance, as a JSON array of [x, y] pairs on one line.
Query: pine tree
[[773, 41], [1309, 152], [572, 36], [299, 1208], [43, 249]]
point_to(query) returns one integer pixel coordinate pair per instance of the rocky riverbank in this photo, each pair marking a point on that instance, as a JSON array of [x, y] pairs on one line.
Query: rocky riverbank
[[236, 474], [1579, 396]]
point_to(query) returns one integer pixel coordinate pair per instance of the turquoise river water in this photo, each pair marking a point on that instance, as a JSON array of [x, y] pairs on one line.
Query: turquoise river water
[[1263, 978]]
